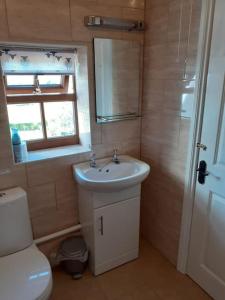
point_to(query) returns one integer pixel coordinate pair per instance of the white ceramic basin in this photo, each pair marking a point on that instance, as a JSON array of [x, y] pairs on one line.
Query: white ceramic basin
[[108, 176]]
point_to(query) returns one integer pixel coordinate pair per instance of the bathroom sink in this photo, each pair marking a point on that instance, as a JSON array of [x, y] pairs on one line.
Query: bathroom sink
[[109, 176]]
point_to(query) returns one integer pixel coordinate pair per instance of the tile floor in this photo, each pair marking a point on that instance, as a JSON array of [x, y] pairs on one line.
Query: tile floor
[[150, 277]]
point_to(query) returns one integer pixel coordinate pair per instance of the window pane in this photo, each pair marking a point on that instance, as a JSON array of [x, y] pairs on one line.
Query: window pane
[[59, 118], [50, 80], [71, 85], [27, 119], [20, 80]]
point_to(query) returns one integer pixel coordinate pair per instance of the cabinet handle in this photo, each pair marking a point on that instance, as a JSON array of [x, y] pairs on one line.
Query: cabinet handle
[[101, 222]]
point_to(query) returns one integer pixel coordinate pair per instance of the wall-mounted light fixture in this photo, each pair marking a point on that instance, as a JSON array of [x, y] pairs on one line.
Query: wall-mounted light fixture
[[114, 23]]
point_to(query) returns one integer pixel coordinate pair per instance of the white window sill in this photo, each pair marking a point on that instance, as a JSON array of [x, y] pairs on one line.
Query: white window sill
[[55, 152]]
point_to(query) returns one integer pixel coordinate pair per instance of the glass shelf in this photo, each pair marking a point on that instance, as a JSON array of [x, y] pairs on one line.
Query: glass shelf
[[119, 117]]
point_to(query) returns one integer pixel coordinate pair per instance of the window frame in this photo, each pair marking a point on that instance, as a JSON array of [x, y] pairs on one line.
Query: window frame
[[31, 87], [23, 96], [25, 89]]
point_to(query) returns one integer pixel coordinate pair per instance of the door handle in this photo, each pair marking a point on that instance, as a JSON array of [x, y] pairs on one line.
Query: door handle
[[101, 225], [202, 172], [201, 146]]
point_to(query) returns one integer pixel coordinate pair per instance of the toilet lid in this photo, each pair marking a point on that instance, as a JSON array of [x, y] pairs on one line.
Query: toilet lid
[[25, 275]]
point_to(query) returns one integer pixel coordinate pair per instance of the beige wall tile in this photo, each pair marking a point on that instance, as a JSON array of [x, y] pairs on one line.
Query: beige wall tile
[[153, 3], [53, 193], [133, 13], [15, 177], [170, 59], [3, 21], [161, 128], [179, 20], [53, 222], [156, 20], [81, 9], [120, 131], [43, 19], [131, 147], [40, 173], [51, 170], [42, 199], [67, 195], [169, 69], [124, 3], [51, 189], [65, 189], [126, 10]]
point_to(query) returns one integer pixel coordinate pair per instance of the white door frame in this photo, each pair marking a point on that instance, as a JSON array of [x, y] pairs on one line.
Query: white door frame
[[195, 132]]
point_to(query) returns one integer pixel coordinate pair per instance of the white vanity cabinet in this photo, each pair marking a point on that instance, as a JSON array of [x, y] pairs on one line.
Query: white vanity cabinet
[[110, 226], [109, 209]]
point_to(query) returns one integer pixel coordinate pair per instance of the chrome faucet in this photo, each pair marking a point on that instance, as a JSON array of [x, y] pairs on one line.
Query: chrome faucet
[[93, 160], [115, 158]]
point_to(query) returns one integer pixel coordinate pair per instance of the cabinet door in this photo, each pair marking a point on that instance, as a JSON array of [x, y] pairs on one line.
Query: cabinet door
[[116, 234]]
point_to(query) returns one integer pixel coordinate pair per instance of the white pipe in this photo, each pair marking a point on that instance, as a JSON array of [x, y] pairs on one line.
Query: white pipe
[[57, 234]]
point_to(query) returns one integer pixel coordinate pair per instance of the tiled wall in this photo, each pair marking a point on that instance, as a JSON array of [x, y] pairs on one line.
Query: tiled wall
[[171, 43], [50, 185], [62, 20], [170, 55]]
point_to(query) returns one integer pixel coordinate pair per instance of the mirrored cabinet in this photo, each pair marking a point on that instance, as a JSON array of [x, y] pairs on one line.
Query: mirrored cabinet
[[117, 79]]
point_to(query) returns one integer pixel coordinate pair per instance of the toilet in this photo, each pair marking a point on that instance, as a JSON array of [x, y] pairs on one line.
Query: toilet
[[25, 273]]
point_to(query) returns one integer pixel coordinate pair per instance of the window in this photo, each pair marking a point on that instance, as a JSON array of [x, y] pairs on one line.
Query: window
[[59, 118], [19, 81], [26, 117], [50, 80], [28, 81], [41, 95], [46, 119]]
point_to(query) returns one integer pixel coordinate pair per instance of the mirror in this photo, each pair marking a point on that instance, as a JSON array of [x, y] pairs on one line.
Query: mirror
[[117, 79]]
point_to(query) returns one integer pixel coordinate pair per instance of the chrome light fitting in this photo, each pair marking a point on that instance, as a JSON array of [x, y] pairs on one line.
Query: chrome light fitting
[[114, 23]]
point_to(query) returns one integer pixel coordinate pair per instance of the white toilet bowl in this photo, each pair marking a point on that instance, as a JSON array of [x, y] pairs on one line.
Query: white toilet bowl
[[25, 275]]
